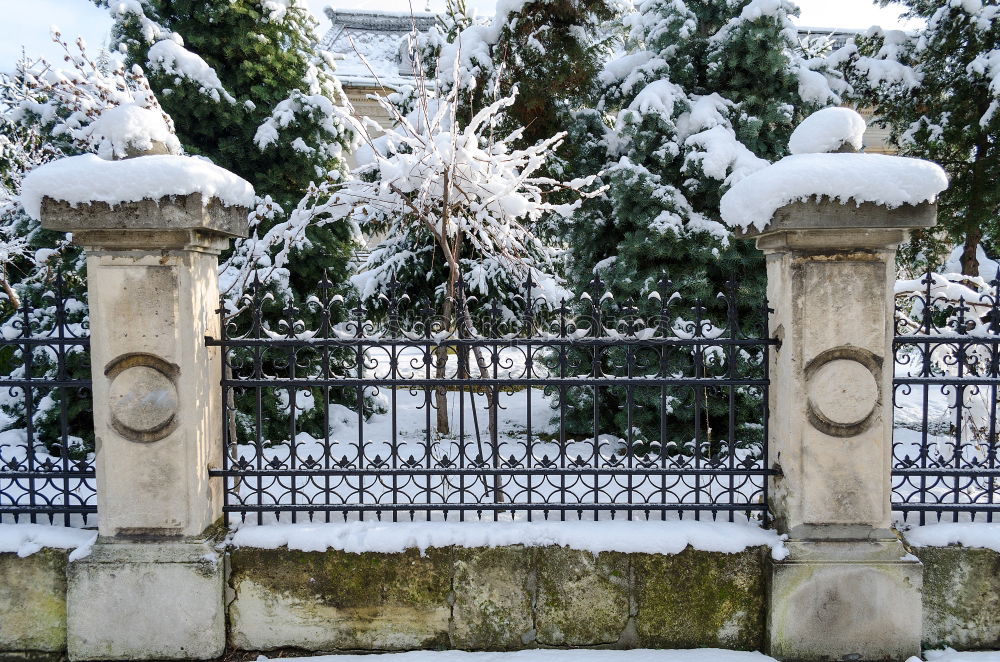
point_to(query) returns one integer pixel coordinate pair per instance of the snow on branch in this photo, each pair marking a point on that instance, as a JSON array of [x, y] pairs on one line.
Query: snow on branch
[[99, 106], [168, 56], [458, 188]]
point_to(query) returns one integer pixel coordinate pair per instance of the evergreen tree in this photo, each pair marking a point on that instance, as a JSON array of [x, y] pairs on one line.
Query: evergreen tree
[[246, 88], [707, 93], [937, 89]]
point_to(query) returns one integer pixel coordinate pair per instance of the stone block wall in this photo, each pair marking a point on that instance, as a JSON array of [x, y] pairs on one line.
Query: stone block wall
[[503, 598], [33, 605], [499, 599]]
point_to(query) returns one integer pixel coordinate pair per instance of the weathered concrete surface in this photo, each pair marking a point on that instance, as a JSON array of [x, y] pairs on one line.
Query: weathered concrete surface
[[33, 604], [829, 600], [336, 600], [582, 598], [505, 598], [700, 599], [146, 601], [845, 588], [494, 590], [961, 597]]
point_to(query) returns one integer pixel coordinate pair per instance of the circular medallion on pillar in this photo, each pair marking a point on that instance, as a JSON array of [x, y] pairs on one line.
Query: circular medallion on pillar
[[844, 390], [143, 397]]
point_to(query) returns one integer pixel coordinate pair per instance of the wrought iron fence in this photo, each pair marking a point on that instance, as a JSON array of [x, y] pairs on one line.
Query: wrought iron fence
[[586, 408], [46, 442], [947, 352]]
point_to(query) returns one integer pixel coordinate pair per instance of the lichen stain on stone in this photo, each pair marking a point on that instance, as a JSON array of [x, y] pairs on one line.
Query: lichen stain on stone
[[961, 597], [583, 598], [33, 603], [344, 600], [494, 594], [700, 599]]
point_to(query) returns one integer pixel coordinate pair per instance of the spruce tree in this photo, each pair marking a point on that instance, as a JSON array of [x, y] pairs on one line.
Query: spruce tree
[[246, 88], [707, 93], [937, 89]]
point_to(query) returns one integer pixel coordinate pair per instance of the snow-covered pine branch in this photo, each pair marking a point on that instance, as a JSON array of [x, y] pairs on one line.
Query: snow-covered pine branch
[[937, 90]]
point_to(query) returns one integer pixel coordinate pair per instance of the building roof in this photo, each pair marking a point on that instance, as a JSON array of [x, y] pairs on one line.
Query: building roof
[[376, 37]]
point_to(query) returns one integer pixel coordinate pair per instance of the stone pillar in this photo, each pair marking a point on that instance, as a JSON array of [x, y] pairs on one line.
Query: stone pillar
[[153, 586], [848, 586]]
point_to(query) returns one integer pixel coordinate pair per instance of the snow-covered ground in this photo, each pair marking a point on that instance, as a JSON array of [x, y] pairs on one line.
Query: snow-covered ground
[[698, 655], [951, 655]]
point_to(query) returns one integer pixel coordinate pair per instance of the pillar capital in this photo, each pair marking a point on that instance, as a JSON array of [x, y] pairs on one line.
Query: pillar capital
[[180, 222]]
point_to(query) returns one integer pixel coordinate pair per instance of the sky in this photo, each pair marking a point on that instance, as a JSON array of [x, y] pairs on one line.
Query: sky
[[27, 22]]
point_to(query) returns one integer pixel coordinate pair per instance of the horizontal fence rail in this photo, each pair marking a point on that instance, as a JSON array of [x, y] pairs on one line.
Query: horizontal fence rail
[[581, 408], [46, 424], [947, 355]]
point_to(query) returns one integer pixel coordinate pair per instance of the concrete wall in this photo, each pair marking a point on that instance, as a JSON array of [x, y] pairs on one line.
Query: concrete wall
[[500, 599], [961, 598], [33, 605], [494, 599]]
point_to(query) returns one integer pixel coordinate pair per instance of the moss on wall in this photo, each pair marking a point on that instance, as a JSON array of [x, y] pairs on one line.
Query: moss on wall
[[700, 599], [33, 603], [495, 599], [961, 597], [583, 598], [338, 600]]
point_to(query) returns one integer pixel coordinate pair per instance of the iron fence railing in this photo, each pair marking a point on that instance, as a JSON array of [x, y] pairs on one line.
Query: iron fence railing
[[46, 442], [947, 355], [586, 408]]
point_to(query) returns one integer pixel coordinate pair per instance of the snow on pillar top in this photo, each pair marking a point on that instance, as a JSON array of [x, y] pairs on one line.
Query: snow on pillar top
[[150, 188], [902, 190]]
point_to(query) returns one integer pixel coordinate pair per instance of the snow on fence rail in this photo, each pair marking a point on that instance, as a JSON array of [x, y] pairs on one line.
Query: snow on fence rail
[[947, 357], [592, 409], [46, 424]]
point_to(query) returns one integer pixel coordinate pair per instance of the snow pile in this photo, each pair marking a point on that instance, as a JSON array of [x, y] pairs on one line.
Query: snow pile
[[952, 655], [130, 127], [89, 178], [967, 534], [827, 131], [891, 181], [26, 539], [650, 537], [576, 655]]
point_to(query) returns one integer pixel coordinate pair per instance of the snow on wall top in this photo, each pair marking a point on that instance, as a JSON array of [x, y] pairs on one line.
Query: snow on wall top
[[827, 130], [89, 178], [669, 537], [25, 539], [966, 534], [891, 181]]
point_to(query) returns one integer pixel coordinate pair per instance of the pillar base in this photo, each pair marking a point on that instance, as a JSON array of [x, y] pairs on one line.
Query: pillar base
[[830, 599], [147, 600]]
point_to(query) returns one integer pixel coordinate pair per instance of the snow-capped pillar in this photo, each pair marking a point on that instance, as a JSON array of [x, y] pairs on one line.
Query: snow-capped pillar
[[829, 225], [848, 586], [152, 229]]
